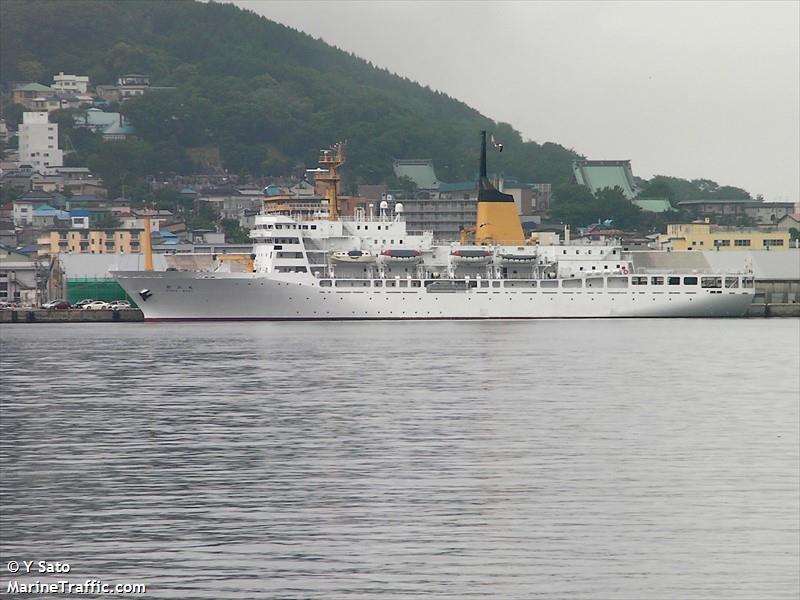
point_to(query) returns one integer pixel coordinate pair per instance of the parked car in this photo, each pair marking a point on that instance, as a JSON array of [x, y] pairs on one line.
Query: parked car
[[84, 302], [5, 305], [57, 305], [97, 305], [117, 304]]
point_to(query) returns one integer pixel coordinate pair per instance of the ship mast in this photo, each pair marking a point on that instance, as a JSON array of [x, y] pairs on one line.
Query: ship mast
[[332, 160]]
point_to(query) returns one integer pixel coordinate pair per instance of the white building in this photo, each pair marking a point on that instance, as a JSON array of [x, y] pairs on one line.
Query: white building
[[22, 212], [77, 84], [38, 142]]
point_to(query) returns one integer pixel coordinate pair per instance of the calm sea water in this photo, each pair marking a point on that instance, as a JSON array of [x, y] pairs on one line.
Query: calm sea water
[[550, 459]]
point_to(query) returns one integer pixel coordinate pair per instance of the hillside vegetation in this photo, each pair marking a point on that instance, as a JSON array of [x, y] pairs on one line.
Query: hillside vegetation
[[268, 96], [261, 96]]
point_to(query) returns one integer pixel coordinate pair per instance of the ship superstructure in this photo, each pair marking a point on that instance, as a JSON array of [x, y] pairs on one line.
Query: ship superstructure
[[315, 264]]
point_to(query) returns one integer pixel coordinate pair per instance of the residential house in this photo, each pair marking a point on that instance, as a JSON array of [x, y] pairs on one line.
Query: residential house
[[25, 93], [18, 276], [530, 198], [23, 211], [76, 84], [787, 222], [8, 235], [132, 85], [112, 125], [79, 218], [47, 183], [46, 216]]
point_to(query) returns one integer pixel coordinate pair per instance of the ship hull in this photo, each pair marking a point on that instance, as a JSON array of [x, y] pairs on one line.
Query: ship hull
[[190, 296]]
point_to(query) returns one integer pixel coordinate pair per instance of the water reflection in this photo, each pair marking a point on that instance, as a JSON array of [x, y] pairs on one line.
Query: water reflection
[[575, 459]]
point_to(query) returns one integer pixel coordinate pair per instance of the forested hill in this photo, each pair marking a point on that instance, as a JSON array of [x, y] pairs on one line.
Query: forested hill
[[267, 96]]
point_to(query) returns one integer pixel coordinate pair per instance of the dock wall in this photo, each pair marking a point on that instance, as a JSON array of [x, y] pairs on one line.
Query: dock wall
[[40, 315]]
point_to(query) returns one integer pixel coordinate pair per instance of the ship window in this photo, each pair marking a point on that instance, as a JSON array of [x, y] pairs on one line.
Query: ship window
[[731, 282], [378, 283], [495, 284], [594, 282], [747, 283], [391, 283], [366, 227], [550, 284], [572, 283], [564, 251], [674, 280], [415, 283], [325, 283], [711, 282], [484, 284], [305, 226], [278, 226], [638, 280], [403, 283], [617, 282], [313, 227], [358, 226], [690, 281], [656, 281]]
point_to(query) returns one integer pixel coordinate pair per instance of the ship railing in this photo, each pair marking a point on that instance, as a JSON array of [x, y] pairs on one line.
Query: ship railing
[[657, 271]]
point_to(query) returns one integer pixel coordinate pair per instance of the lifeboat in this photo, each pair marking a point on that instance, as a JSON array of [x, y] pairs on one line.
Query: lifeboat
[[353, 256], [474, 257], [401, 256], [517, 258]]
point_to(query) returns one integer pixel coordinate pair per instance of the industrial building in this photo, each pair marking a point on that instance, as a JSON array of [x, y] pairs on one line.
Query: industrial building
[[682, 237]]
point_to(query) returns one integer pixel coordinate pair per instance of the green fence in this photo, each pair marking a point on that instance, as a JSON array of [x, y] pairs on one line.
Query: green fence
[[97, 289]]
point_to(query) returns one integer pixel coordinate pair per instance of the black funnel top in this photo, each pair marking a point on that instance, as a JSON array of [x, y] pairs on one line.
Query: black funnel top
[[486, 191]]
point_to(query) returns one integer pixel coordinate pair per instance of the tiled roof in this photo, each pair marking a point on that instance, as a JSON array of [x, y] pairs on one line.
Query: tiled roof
[[418, 170], [656, 205], [601, 174], [459, 186], [32, 87]]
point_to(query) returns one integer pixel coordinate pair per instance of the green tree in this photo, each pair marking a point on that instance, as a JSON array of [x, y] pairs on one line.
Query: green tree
[[234, 233]]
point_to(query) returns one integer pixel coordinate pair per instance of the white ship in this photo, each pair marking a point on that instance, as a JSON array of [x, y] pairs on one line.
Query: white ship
[[319, 266]]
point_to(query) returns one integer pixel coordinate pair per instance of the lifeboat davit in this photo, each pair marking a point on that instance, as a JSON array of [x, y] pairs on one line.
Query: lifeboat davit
[[353, 256], [401, 256], [475, 257]]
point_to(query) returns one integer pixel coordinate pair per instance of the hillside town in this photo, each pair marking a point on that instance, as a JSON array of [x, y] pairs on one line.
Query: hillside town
[[61, 231]]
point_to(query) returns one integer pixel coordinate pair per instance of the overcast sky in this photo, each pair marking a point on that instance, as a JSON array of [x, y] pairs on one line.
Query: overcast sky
[[694, 89]]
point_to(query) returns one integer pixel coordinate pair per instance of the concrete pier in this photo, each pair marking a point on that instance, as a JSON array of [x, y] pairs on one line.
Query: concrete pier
[[40, 315]]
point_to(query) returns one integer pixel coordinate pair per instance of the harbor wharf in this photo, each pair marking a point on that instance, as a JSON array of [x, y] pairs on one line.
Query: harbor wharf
[[41, 315]]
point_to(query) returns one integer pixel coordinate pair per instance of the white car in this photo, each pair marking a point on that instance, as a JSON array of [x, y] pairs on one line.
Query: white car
[[117, 304], [97, 305]]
